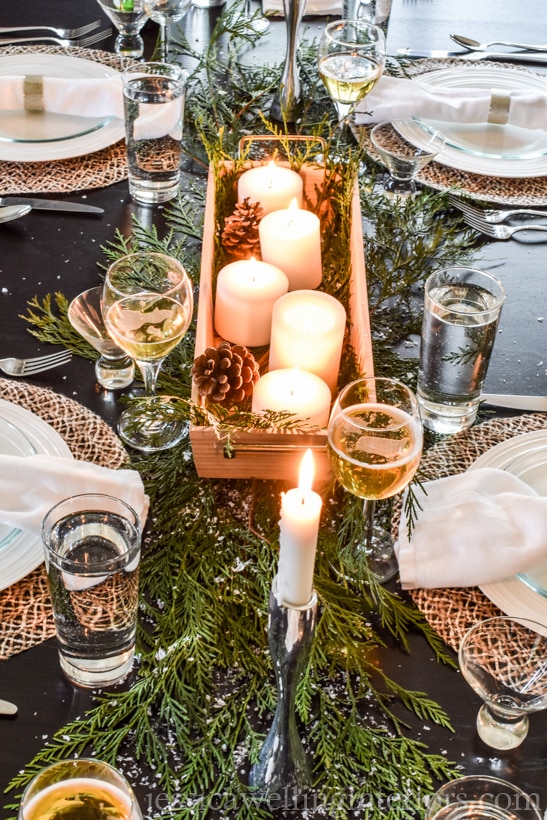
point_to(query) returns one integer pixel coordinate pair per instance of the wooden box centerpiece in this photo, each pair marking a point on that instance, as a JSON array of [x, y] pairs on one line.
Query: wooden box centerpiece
[[276, 453]]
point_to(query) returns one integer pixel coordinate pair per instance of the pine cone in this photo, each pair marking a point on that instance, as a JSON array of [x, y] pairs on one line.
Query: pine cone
[[225, 374], [240, 234]]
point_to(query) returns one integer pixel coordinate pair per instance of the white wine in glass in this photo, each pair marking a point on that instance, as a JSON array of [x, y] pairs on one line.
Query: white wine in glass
[[375, 444], [148, 303], [351, 59]]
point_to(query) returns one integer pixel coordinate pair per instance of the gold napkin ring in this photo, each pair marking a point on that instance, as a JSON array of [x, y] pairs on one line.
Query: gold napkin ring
[[33, 92], [500, 102]]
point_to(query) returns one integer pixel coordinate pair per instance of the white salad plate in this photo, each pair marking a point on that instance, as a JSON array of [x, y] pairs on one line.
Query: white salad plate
[[30, 137], [483, 148], [23, 434], [524, 456]]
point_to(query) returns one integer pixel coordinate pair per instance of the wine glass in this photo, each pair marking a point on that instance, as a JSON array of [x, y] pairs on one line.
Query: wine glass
[[114, 369], [352, 54], [79, 787], [505, 661], [165, 12], [129, 17], [148, 299], [403, 159], [375, 444]]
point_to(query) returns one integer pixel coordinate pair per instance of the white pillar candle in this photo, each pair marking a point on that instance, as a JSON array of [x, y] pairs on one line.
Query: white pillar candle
[[294, 391], [245, 296], [299, 527], [308, 332], [274, 186], [291, 240]]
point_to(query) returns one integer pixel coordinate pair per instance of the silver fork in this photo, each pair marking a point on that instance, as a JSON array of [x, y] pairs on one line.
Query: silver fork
[[492, 215], [85, 41], [29, 367], [500, 231], [60, 32]]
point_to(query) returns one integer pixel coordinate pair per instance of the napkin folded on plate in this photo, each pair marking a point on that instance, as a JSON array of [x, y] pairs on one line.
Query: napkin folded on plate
[[474, 528], [31, 485], [90, 97], [397, 98], [313, 7]]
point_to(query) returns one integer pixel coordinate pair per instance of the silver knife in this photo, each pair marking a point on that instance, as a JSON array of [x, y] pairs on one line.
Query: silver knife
[[7, 708], [519, 57], [50, 204], [537, 403]]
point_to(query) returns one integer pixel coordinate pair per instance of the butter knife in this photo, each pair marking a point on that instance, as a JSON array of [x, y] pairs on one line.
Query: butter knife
[[50, 204], [516, 56], [537, 403], [7, 708]]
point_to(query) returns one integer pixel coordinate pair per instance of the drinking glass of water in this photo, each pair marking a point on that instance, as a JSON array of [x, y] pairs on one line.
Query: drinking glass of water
[[79, 788], [154, 95], [462, 307], [92, 549]]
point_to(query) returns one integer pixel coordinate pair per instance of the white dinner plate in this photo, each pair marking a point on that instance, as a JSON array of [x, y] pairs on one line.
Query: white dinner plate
[[482, 148], [23, 434], [28, 137], [526, 457]]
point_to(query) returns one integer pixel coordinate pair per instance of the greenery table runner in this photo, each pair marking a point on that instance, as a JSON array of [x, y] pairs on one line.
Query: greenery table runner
[[200, 703]]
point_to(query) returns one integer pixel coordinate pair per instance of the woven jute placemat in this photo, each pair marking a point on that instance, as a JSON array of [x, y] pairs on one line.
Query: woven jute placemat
[[96, 170], [520, 191], [452, 611], [25, 610]]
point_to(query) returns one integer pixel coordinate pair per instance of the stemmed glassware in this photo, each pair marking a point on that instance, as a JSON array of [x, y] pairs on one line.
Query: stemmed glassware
[[129, 17], [403, 159], [165, 12], [504, 660], [375, 444], [114, 369], [148, 303], [351, 59]]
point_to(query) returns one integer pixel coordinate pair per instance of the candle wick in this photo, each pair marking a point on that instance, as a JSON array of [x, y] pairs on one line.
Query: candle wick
[[303, 499]]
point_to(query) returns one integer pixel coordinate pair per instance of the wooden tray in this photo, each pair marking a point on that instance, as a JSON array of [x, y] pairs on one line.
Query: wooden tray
[[275, 454]]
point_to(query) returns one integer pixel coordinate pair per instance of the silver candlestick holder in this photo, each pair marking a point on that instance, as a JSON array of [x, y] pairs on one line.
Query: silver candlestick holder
[[282, 766], [287, 104]]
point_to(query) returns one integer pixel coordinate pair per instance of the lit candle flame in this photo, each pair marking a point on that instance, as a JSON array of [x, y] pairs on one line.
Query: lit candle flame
[[307, 469], [272, 166]]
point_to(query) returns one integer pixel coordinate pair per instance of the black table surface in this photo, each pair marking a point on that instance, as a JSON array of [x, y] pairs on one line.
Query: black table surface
[[48, 252]]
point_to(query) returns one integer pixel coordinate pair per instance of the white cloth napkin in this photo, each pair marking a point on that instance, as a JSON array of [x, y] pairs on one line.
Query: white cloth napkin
[[31, 485], [313, 7], [93, 97], [474, 528], [397, 98]]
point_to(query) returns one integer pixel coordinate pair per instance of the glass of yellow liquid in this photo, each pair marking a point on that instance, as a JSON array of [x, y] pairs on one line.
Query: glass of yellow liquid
[[351, 59], [375, 442], [148, 305], [79, 788]]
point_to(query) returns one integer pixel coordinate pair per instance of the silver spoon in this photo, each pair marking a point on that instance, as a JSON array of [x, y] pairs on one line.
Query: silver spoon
[[474, 45], [7, 708], [10, 212]]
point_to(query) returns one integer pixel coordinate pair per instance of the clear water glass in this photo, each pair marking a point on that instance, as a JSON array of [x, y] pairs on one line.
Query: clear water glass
[[481, 796], [462, 308], [92, 551], [154, 95]]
